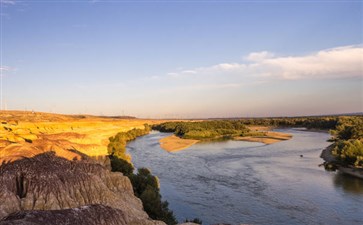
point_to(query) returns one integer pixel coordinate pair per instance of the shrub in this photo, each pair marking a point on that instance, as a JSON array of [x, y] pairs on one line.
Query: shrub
[[145, 185], [349, 152], [121, 165]]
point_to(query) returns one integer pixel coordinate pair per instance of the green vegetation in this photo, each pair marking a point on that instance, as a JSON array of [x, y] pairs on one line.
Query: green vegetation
[[348, 149], [145, 185], [117, 145], [204, 130], [121, 165], [322, 123], [349, 128], [349, 152], [215, 129], [347, 131], [348, 146]]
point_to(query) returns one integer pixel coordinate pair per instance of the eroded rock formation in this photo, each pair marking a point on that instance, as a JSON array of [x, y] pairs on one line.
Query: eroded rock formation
[[85, 215], [49, 182]]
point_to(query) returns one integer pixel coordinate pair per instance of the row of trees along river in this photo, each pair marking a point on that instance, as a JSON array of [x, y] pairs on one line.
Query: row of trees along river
[[145, 185]]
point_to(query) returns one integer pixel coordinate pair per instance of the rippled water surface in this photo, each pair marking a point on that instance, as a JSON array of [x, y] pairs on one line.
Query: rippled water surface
[[244, 182]]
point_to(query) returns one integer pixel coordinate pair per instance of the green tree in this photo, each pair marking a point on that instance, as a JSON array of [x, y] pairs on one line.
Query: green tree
[[146, 187], [349, 128], [121, 165], [349, 152]]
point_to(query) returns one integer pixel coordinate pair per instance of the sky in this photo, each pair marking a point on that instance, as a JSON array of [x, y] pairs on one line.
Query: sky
[[182, 59]]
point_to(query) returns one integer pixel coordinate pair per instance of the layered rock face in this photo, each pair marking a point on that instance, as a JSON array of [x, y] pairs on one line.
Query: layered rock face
[[68, 191], [31, 133], [85, 215]]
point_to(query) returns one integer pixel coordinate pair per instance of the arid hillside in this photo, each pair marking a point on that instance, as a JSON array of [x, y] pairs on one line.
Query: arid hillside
[[46, 176], [26, 134]]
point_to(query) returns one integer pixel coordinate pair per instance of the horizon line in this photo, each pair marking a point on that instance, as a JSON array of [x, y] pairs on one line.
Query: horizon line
[[190, 118]]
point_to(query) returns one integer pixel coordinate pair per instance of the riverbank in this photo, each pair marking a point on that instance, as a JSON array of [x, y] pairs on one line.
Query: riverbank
[[267, 138], [332, 164], [173, 143]]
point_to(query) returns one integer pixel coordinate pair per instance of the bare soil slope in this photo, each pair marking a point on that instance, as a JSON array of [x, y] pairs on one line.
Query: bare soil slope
[[47, 176], [26, 134]]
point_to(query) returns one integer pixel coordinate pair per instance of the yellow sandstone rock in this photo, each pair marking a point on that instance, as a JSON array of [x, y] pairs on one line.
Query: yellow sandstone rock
[[26, 134]]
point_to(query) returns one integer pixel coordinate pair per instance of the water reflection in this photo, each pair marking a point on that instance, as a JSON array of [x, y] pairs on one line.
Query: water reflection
[[348, 183]]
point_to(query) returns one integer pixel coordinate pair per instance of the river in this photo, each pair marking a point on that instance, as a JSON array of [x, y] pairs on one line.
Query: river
[[252, 183]]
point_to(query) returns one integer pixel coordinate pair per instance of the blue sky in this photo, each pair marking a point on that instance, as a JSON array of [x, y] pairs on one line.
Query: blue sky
[[183, 58]]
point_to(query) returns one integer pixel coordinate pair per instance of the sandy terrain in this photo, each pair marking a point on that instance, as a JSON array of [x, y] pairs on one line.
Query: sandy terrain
[[268, 138], [25, 134], [259, 128], [173, 143]]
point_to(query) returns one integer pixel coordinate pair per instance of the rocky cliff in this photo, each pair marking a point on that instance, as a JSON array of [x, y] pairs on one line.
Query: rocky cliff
[[48, 189], [85, 215]]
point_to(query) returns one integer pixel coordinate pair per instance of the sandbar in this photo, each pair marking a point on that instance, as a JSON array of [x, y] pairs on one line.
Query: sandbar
[[267, 138], [173, 143]]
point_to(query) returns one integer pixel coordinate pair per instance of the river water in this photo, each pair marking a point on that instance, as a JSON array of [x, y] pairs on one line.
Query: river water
[[245, 182]]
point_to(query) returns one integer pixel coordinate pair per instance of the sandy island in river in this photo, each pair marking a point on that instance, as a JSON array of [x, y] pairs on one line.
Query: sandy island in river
[[267, 138], [173, 143]]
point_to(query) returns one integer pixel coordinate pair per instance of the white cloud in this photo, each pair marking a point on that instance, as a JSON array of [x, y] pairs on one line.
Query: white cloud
[[331, 63], [5, 68], [340, 62], [258, 56], [189, 72], [228, 66], [10, 2]]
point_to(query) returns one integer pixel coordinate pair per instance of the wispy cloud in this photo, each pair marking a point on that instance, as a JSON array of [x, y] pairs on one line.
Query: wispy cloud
[[189, 72], [182, 73], [257, 56], [6, 68], [340, 62], [9, 2], [220, 86]]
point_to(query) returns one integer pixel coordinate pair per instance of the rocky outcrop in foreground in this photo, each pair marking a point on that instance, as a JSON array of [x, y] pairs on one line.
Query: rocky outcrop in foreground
[[85, 215], [47, 189]]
